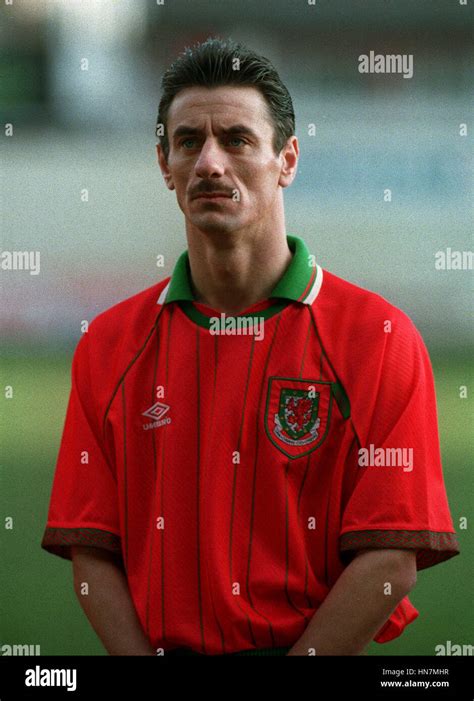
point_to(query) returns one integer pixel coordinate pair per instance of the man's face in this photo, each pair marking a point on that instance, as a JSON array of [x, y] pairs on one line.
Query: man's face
[[221, 160]]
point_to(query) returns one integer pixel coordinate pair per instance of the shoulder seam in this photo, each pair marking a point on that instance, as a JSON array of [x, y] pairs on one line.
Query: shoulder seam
[[131, 363], [313, 319]]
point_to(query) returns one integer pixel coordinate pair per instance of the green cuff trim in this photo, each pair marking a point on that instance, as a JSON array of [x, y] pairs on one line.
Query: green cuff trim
[[58, 541], [432, 546]]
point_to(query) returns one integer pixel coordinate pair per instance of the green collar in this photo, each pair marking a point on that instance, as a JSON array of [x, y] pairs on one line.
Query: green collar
[[300, 283]]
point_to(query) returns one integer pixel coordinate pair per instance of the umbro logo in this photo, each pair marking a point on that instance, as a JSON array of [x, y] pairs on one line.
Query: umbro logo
[[156, 412]]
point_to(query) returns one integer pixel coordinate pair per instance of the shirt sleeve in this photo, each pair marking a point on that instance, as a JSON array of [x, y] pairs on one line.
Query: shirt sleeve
[[83, 508], [398, 499]]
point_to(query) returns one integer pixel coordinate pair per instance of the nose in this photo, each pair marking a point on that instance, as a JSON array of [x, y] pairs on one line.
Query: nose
[[210, 163]]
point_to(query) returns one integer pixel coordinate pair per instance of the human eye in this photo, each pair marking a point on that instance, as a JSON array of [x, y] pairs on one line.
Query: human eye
[[234, 139], [188, 143]]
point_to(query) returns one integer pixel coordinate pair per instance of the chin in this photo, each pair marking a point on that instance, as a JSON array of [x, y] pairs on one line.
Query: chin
[[216, 224]]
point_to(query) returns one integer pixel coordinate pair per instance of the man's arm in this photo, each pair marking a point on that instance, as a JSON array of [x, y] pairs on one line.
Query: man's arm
[[108, 604], [357, 606]]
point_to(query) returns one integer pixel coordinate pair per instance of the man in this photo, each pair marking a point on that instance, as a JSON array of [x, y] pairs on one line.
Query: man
[[250, 459]]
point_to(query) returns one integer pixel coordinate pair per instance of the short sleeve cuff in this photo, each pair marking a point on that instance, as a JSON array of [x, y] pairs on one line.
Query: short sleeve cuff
[[432, 546], [58, 541]]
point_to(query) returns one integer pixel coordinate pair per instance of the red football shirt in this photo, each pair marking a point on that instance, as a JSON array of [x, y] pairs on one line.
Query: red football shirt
[[237, 473]]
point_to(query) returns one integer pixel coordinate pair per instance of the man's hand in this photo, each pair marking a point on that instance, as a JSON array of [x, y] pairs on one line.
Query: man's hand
[[358, 606]]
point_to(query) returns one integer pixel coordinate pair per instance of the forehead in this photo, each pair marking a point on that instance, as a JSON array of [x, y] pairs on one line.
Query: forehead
[[195, 105]]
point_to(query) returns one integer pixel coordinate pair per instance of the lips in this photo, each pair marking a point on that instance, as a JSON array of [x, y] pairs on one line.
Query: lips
[[211, 195]]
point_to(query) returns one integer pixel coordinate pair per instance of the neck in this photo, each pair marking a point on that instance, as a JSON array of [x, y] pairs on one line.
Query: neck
[[232, 271]]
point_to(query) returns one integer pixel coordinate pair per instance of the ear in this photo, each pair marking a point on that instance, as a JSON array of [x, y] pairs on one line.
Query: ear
[[289, 162], [163, 163]]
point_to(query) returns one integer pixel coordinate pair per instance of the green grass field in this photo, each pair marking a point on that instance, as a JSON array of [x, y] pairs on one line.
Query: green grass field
[[38, 605]]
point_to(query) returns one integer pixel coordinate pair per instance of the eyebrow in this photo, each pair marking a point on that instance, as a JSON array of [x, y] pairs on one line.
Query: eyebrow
[[185, 130]]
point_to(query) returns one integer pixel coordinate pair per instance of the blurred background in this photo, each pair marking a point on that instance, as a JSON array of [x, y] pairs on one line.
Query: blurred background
[[80, 86]]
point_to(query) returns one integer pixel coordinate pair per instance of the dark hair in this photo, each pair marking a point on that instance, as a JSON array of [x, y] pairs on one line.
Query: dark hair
[[211, 64]]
